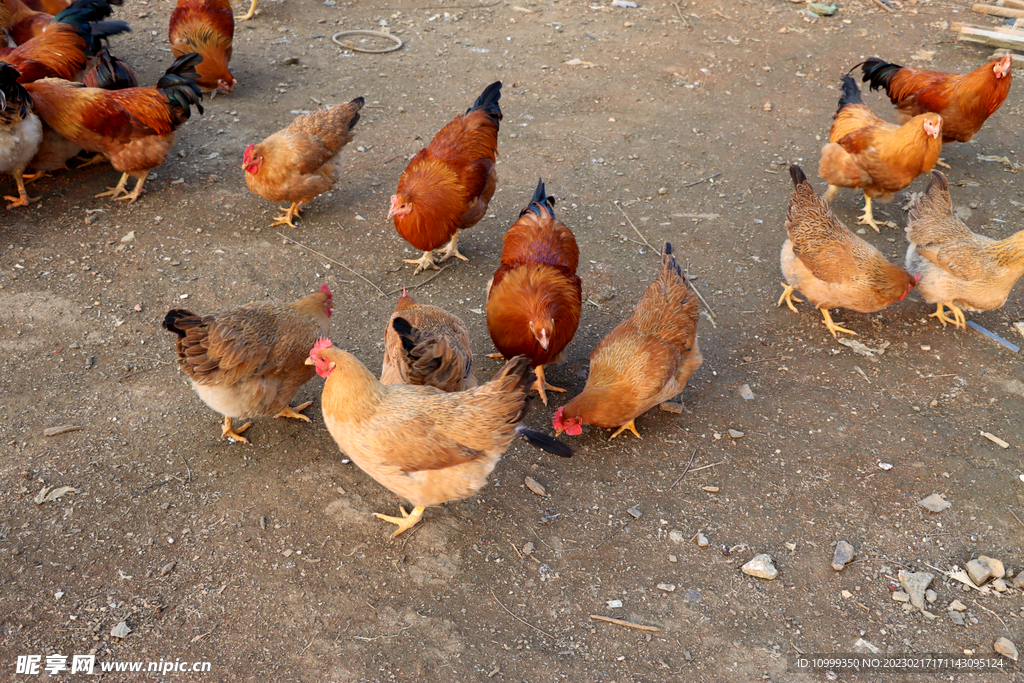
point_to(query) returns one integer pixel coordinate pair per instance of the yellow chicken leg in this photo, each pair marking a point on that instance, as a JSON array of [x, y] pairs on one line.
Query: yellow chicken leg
[[250, 14], [227, 432], [288, 411], [425, 262], [958, 319], [540, 384], [868, 218], [22, 199], [788, 297], [942, 162], [115, 191], [405, 522], [830, 193], [832, 327], [287, 215], [630, 426], [452, 250]]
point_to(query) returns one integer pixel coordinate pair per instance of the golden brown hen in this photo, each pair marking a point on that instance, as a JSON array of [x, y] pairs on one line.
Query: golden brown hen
[[644, 361], [250, 361]]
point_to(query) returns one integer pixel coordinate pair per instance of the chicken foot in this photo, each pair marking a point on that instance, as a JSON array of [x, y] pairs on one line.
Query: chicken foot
[[406, 521], [540, 384], [630, 426], [452, 250], [958, 319], [868, 218], [287, 215], [39, 175], [788, 297], [830, 193], [22, 199], [250, 14], [424, 262], [120, 189], [228, 432], [832, 327], [288, 411]]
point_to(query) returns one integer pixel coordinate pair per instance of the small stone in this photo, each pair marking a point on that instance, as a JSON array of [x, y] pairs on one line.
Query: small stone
[[994, 565], [761, 566], [676, 537], [671, 406], [535, 486], [1005, 646], [746, 393], [842, 556], [702, 541], [735, 434], [673, 558], [957, 606], [900, 596], [979, 571], [662, 190], [528, 548], [846, 594], [915, 583], [128, 237], [931, 596], [667, 587], [614, 603], [290, 61], [999, 585], [710, 489], [791, 547], [934, 503], [168, 568], [635, 513], [1018, 581], [957, 618], [864, 646], [287, 553], [122, 631], [929, 615]]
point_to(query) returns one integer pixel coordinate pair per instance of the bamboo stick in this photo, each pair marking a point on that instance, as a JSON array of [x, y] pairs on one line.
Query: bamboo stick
[[981, 8]]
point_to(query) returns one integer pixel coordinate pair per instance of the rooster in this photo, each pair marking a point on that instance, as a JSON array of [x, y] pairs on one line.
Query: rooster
[[534, 298], [134, 127], [26, 23], [206, 27], [830, 265], [110, 73], [446, 187], [250, 361], [20, 132], [958, 268], [965, 101], [303, 160], [879, 157], [644, 361]]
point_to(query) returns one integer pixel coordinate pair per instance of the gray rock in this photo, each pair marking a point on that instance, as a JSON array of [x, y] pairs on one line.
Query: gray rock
[[761, 566], [979, 571], [999, 585], [931, 596], [934, 503], [957, 618], [703, 541], [842, 556], [676, 536], [916, 583], [122, 631], [958, 606], [1005, 646], [1018, 581], [900, 596]]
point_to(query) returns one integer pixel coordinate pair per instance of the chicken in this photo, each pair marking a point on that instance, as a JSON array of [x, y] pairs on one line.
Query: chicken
[[957, 268], [110, 73], [427, 345], [20, 132], [26, 23], [48, 6], [965, 101], [830, 265], [133, 127], [301, 161], [879, 157], [250, 14], [446, 187], [206, 27], [534, 298], [644, 361], [250, 361], [423, 444]]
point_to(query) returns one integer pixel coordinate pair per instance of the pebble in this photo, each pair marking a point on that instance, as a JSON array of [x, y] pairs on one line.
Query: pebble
[[736, 434], [761, 566], [702, 541], [998, 570], [667, 587], [983, 568], [710, 489], [662, 190], [842, 556], [122, 631], [1005, 646], [168, 568], [614, 603], [128, 237], [673, 558], [535, 486], [746, 392], [635, 513], [999, 585], [957, 606], [1018, 581], [931, 596], [957, 618], [290, 61], [528, 548], [934, 503], [915, 583], [676, 537], [900, 596]]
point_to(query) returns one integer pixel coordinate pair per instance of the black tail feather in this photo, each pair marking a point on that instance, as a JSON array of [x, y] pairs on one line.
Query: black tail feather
[[798, 175], [110, 73], [179, 85], [879, 72], [545, 442], [12, 92], [488, 101], [540, 199], [850, 93], [175, 316]]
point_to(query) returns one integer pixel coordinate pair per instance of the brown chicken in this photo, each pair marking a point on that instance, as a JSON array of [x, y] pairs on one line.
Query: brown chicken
[[879, 157], [534, 298], [957, 268], [427, 345], [303, 160], [965, 101], [133, 127], [48, 6], [206, 27], [421, 443], [250, 361], [830, 265], [644, 361], [446, 187], [25, 23]]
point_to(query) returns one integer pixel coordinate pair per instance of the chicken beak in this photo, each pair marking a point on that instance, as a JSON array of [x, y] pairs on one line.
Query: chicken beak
[[310, 361], [559, 432], [543, 339]]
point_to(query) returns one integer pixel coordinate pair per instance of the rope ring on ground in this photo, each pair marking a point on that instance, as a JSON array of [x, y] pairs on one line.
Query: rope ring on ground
[[376, 34]]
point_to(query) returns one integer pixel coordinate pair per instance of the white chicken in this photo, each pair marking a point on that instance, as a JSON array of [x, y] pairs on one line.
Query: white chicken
[[20, 132]]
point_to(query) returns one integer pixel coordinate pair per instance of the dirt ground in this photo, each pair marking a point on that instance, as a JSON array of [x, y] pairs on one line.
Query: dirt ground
[[264, 559]]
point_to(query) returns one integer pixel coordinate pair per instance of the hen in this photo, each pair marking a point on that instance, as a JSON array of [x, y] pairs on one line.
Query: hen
[[206, 27], [20, 132], [133, 127], [446, 187], [427, 345], [534, 298], [644, 361], [250, 361], [301, 161], [830, 265], [965, 101], [958, 268], [879, 157], [423, 444], [26, 23]]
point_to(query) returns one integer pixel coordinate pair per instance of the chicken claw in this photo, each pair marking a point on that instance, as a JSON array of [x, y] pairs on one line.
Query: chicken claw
[[868, 218], [830, 193], [117, 190], [227, 432], [248, 15], [958, 319], [832, 327], [942, 163], [452, 250], [423, 263], [22, 199], [788, 297], [540, 384], [288, 411], [406, 521], [630, 426], [287, 215]]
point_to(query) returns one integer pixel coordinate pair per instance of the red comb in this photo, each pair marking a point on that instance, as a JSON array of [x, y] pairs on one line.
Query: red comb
[[321, 344], [556, 419], [326, 290]]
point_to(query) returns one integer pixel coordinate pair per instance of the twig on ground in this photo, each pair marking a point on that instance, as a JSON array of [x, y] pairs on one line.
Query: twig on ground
[[704, 467], [634, 227], [286, 237], [628, 624], [518, 618], [609, 536], [395, 291], [383, 635], [702, 180], [679, 11], [187, 468], [704, 301], [692, 455], [992, 613], [1016, 517]]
